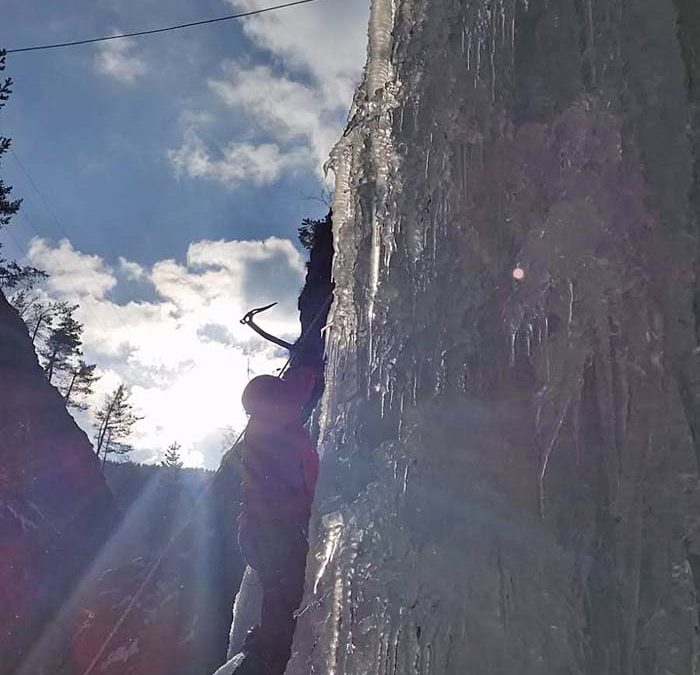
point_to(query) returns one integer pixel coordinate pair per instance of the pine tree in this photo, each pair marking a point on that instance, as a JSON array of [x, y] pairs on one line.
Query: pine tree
[[309, 231], [39, 318], [38, 314], [12, 274], [62, 349], [80, 379], [172, 459], [57, 338], [117, 419]]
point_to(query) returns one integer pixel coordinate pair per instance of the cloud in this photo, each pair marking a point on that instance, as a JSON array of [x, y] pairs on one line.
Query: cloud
[[294, 113], [237, 163], [184, 353], [297, 109], [327, 42], [115, 59], [73, 274], [131, 270]]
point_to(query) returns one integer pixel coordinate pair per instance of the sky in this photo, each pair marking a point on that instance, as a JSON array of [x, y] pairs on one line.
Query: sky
[[164, 179]]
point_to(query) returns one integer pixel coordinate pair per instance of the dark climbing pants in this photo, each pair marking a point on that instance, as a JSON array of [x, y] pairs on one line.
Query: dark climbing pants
[[277, 552]]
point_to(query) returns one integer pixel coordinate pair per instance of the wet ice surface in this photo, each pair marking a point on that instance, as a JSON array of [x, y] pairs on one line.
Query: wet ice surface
[[230, 666], [246, 611], [509, 481]]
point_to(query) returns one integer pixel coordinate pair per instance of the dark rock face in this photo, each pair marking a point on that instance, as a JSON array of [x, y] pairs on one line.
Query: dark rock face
[[140, 585], [55, 507]]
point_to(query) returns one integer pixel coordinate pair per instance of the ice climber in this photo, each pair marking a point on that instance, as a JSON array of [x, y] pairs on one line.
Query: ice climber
[[280, 468]]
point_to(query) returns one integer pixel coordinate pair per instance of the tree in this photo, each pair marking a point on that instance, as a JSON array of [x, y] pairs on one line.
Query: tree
[[80, 379], [309, 231], [62, 348], [172, 459], [117, 419], [37, 313], [40, 316], [57, 338], [12, 274]]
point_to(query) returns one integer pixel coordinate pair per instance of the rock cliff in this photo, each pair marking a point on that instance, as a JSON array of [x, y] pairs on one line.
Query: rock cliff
[[55, 507]]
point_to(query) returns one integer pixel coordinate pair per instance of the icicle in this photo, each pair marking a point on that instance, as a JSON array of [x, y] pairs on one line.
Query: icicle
[[441, 379], [492, 59], [571, 306], [381, 24], [333, 526], [478, 56], [548, 370], [502, 15], [591, 42], [341, 165], [548, 453], [373, 283], [336, 617]]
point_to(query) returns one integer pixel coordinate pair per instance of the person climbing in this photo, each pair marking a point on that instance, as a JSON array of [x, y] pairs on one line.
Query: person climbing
[[280, 467]]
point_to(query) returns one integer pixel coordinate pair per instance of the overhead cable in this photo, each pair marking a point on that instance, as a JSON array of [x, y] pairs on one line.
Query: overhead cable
[[119, 36]]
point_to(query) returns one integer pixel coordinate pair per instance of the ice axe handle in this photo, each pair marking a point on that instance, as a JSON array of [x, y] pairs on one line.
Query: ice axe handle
[[248, 320]]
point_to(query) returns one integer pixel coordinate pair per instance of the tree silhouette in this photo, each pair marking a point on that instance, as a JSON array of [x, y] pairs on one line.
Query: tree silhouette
[[80, 379], [309, 230], [12, 274], [37, 313], [63, 344], [57, 338], [117, 419], [172, 459]]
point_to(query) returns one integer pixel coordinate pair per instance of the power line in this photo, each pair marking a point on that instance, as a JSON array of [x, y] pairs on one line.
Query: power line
[[52, 252], [153, 31], [51, 212]]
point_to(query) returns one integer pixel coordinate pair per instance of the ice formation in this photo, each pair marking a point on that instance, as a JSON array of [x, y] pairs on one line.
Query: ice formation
[[510, 470], [246, 611]]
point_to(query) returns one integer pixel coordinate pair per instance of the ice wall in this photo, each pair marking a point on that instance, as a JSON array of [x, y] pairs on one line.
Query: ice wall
[[510, 466]]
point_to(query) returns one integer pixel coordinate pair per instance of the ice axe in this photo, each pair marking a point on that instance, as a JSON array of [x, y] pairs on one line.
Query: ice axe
[[248, 320]]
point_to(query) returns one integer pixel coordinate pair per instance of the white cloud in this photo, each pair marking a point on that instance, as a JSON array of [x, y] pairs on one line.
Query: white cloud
[[286, 109], [131, 270], [185, 355], [282, 103], [327, 41], [298, 108], [116, 59], [237, 163], [73, 274]]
